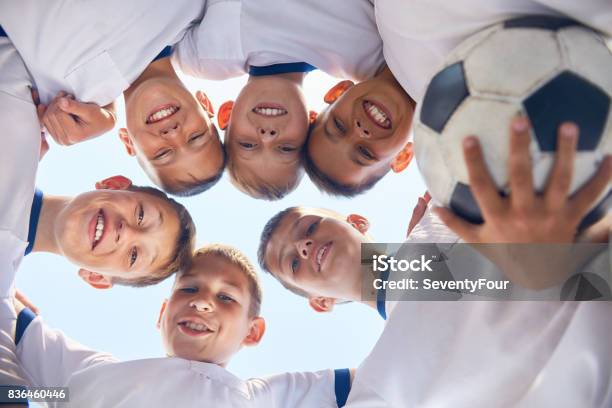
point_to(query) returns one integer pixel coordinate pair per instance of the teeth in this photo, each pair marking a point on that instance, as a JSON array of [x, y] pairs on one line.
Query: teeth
[[195, 326], [270, 111], [99, 228], [320, 255], [376, 114], [163, 113]]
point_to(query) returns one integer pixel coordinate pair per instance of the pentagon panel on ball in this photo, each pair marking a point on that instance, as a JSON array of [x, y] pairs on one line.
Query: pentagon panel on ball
[[551, 70]]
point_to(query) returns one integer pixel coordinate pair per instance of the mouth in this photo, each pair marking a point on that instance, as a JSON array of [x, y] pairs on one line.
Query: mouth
[[378, 114], [161, 113], [322, 253], [194, 327], [96, 228], [269, 110]]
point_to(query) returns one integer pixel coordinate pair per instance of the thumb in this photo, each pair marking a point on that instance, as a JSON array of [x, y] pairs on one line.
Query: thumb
[[77, 108]]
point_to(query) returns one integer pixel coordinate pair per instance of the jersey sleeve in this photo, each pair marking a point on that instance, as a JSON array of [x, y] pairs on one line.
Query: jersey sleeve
[[321, 389], [20, 140], [50, 358]]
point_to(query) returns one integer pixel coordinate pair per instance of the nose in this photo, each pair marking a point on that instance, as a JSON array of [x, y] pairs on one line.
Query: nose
[[267, 133], [201, 305], [170, 131], [362, 130], [304, 247], [126, 232]]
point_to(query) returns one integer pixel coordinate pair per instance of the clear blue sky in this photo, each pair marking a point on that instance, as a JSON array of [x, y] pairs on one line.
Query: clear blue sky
[[122, 320]]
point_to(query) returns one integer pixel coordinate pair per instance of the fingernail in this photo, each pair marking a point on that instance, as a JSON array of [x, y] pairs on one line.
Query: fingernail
[[569, 130], [520, 124], [469, 142]]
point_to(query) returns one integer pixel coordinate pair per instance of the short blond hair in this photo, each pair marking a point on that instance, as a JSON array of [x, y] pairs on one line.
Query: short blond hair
[[236, 257], [255, 186]]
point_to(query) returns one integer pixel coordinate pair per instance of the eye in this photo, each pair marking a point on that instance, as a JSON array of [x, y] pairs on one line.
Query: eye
[[161, 155], [133, 256], [140, 214], [189, 289], [366, 153], [225, 298], [196, 137], [295, 263], [247, 145], [312, 228], [287, 149], [339, 125]]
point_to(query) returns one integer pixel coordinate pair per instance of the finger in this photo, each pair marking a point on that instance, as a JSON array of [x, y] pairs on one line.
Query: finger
[[467, 231], [56, 129], [40, 112], [79, 109], [519, 165], [481, 183], [560, 180], [417, 214], [585, 197], [71, 128]]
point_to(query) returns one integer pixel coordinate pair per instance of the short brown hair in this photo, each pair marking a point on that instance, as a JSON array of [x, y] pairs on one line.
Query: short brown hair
[[237, 258], [183, 247]]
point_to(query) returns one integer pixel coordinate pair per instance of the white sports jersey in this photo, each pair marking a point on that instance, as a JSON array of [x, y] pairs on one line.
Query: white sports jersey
[[488, 353], [20, 141], [417, 34], [89, 48], [97, 379], [338, 37]]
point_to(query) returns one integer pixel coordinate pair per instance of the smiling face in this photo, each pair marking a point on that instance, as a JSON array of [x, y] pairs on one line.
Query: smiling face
[[125, 234], [267, 130], [358, 136], [171, 134], [207, 317], [315, 251]]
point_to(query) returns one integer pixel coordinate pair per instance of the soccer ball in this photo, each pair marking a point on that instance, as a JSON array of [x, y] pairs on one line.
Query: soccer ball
[[547, 68]]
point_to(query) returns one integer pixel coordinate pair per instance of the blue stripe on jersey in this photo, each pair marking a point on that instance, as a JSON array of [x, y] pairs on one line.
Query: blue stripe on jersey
[[281, 69], [381, 297], [23, 321], [342, 385], [164, 53], [2, 32], [34, 216]]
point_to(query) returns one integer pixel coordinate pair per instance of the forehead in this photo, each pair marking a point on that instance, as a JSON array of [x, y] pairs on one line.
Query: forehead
[[215, 268]]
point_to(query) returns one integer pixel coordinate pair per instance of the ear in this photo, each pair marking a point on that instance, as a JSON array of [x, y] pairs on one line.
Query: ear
[[403, 158], [256, 331], [322, 304], [205, 103], [359, 222], [312, 117], [225, 113], [95, 280], [337, 90], [114, 183], [161, 313], [127, 142]]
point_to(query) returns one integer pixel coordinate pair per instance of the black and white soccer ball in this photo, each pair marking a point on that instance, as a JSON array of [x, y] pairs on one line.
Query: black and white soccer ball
[[549, 69]]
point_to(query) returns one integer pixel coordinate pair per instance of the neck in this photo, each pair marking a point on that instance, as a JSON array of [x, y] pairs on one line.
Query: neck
[[295, 77], [46, 241], [162, 68]]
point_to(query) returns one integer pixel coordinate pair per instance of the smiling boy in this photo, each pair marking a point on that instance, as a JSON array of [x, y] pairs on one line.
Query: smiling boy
[[212, 313], [360, 136], [267, 125], [104, 50]]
